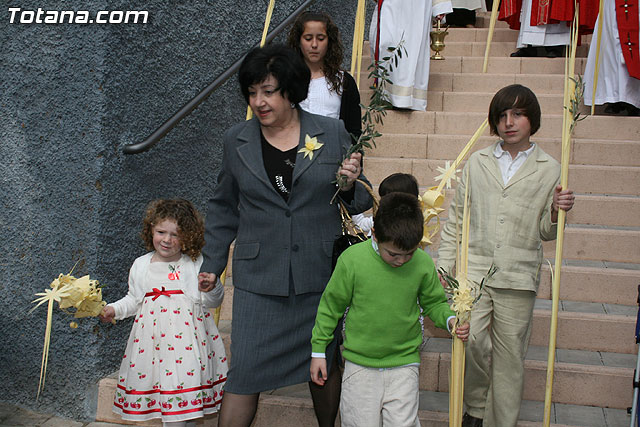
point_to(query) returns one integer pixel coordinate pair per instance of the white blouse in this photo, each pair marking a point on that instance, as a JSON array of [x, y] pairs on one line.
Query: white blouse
[[322, 100]]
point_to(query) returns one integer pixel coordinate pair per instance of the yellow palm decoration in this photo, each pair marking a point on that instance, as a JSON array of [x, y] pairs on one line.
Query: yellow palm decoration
[[83, 295], [433, 198]]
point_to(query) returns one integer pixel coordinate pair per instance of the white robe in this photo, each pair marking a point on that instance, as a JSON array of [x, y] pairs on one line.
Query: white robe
[[614, 82], [541, 35], [411, 20], [478, 5]]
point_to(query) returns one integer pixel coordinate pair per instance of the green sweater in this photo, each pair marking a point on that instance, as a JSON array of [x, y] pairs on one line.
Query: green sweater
[[382, 329]]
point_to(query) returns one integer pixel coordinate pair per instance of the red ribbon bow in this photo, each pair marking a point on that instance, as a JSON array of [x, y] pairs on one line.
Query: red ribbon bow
[[157, 292]]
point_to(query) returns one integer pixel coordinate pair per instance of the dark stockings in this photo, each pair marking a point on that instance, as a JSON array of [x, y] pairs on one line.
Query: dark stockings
[[238, 410], [326, 399]]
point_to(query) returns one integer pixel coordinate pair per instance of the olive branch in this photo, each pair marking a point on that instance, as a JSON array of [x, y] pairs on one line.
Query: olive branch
[[575, 102], [379, 103]]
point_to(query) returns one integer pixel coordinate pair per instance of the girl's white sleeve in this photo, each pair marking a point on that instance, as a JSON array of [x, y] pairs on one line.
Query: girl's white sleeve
[[365, 223], [214, 297], [128, 305]]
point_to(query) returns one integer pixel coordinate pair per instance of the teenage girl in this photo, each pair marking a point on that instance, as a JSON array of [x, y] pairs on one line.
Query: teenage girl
[[174, 365], [332, 91]]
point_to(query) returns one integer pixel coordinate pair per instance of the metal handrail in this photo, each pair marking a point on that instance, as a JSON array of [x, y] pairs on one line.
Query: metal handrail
[[152, 139]]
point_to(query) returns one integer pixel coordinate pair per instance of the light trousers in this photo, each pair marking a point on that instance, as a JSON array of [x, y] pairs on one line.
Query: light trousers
[[494, 368], [374, 397]]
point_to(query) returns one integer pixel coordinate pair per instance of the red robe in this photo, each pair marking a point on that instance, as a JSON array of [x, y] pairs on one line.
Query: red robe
[[628, 22], [550, 12]]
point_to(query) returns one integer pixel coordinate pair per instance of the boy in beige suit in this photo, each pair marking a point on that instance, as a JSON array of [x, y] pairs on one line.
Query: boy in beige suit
[[515, 197]]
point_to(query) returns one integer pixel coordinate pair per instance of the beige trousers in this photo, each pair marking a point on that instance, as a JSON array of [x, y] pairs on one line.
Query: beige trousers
[[379, 397], [494, 368]]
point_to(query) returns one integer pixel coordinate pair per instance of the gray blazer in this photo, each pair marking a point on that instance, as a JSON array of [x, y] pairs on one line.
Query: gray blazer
[[274, 238]]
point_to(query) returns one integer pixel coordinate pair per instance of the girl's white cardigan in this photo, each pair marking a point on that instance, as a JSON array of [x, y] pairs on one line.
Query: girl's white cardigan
[[128, 306]]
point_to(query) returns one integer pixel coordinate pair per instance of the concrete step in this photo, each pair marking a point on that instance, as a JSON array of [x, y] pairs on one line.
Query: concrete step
[[618, 180], [610, 287], [584, 151], [580, 378], [495, 65], [480, 35], [591, 327], [483, 20], [466, 123], [479, 102], [580, 243], [485, 83]]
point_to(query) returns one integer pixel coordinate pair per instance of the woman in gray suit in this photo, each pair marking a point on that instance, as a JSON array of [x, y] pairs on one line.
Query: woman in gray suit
[[273, 192]]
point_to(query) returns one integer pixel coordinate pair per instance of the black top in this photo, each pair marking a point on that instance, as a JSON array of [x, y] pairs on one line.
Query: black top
[[350, 106], [279, 166]]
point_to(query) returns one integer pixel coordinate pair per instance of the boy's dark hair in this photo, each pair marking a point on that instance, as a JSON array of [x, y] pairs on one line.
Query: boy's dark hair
[[399, 220], [281, 62], [514, 96], [333, 57], [186, 216], [399, 182]]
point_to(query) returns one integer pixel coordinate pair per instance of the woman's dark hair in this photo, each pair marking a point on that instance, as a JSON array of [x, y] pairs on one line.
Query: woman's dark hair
[[400, 182], [399, 220], [283, 64], [514, 96], [186, 216], [333, 58]]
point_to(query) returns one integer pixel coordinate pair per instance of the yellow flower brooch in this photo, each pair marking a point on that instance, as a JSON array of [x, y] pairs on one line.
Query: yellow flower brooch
[[310, 145]]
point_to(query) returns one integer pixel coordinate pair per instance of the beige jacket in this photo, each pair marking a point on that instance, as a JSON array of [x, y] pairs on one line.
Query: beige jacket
[[508, 223]]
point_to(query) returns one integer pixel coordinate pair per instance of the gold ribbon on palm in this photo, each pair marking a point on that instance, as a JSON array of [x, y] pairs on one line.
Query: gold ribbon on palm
[[568, 121], [265, 31]]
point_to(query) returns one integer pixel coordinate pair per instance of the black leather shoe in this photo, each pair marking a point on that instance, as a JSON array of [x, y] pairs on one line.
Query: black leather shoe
[[554, 51], [618, 108], [469, 421], [528, 51]]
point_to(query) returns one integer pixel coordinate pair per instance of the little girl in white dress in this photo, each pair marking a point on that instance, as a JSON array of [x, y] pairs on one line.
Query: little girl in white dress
[[174, 366]]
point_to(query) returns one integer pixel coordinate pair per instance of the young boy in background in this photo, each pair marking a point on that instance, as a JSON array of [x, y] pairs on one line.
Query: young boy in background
[[401, 182], [380, 280], [515, 197]]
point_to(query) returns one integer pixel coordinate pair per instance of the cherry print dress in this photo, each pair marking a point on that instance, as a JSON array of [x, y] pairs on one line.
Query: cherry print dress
[[174, 366]]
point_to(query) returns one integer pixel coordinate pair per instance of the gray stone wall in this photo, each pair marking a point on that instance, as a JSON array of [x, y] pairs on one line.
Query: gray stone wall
[[71, 97]]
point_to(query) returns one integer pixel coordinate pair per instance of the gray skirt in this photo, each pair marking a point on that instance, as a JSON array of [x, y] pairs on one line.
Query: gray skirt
[[271, 341]]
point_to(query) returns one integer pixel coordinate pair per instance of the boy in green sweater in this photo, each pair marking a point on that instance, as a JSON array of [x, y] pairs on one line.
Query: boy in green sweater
[[381, 280]]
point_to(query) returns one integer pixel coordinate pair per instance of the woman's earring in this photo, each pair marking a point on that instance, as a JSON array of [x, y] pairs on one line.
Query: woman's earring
[[293, 105]]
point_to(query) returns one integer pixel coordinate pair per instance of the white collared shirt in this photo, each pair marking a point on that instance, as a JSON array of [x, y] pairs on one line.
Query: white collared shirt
[[509, 166]]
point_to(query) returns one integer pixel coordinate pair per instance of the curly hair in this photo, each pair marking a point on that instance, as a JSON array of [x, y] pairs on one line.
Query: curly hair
[[189, 221], [333, 59]]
